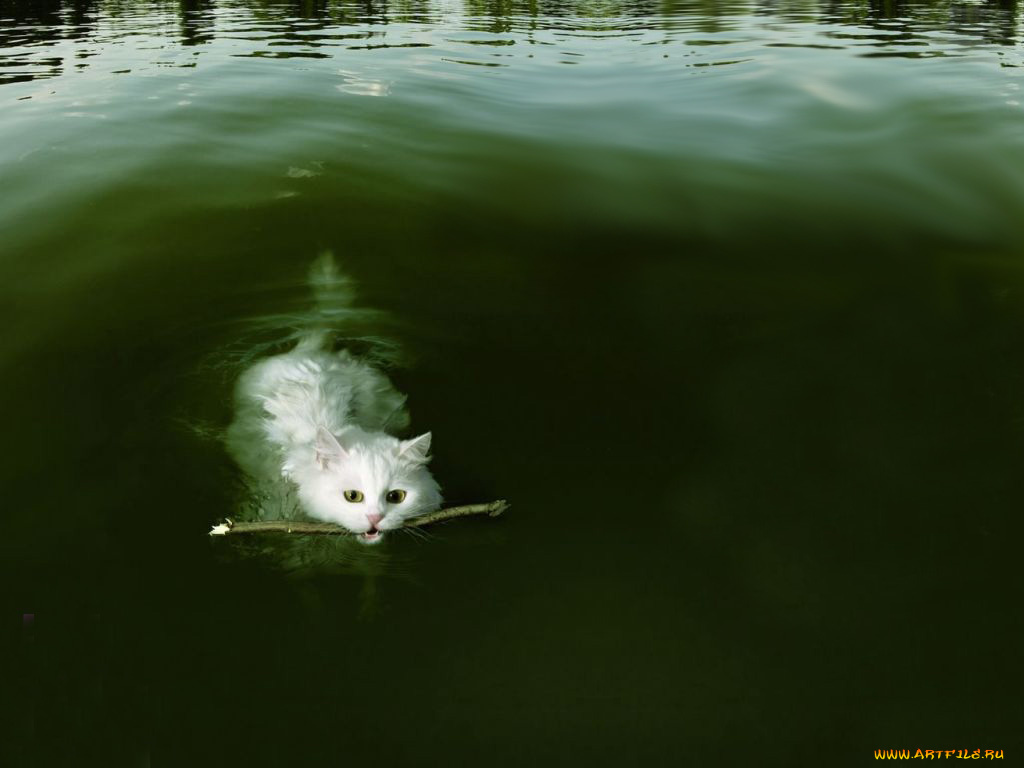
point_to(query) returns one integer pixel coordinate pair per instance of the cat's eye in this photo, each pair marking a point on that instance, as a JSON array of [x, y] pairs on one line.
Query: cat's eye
[[395, 497], [354, 496]]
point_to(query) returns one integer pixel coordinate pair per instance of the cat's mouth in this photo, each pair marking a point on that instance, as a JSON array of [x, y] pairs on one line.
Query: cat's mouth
[[371, 537]]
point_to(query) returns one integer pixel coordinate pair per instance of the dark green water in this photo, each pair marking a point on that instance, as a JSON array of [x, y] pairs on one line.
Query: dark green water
[[726, 298]]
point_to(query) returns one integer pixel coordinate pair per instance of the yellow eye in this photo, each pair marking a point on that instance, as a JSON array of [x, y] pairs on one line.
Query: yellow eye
[[395, 497], [354, 496]]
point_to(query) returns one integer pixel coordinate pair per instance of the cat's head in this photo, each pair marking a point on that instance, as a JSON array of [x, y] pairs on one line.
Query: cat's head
[[368, 482]]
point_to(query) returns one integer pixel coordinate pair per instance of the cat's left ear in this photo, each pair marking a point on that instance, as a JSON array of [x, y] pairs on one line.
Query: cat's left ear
[[416, 450], [328, 449]]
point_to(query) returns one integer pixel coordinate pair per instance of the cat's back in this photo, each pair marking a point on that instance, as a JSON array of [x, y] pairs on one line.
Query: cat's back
[[297, 392]]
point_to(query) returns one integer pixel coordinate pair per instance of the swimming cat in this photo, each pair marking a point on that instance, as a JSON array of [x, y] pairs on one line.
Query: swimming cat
[[318, 421]]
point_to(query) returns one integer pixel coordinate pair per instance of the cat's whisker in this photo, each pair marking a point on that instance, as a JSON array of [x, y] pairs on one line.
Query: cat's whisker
[[417, 533], [410, 531]]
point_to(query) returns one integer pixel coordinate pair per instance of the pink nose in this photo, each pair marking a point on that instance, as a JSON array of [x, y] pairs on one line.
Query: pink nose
[[374, 519]]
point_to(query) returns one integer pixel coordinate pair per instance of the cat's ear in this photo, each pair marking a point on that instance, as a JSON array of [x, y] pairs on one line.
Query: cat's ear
[[328, 449], [416, 450]]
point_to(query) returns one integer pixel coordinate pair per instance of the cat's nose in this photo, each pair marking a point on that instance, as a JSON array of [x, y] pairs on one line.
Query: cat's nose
[[374, 519]]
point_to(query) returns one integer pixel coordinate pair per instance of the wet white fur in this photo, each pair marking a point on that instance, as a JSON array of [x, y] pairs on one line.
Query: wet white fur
[[317, 420]]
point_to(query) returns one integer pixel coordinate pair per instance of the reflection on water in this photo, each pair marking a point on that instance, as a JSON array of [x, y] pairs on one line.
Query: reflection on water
[[681, 117], [43, 39]]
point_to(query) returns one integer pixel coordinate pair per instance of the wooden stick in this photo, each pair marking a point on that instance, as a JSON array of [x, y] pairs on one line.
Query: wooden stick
[[229, 526]]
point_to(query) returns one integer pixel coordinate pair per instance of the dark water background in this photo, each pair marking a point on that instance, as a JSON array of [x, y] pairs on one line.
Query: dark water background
[[726, 298]]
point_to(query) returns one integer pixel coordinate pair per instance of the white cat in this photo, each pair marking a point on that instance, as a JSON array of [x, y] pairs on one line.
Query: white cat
[[316, 419]]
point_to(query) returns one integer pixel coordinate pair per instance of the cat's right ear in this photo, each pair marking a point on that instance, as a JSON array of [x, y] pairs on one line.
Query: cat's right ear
[[416, 450], [328, 449]]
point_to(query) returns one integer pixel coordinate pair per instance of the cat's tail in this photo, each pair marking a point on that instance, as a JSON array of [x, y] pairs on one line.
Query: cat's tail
[[333, 291], [334, 318], [332, 311]]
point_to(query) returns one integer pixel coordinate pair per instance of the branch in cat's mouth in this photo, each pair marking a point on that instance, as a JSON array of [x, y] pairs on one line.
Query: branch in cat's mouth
[[494, 509]]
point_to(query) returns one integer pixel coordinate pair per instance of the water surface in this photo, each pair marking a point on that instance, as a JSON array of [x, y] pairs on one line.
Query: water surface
[[726, 298]]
